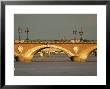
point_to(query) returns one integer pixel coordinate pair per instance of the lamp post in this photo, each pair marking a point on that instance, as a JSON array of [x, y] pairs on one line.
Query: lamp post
[[81, 34], [19, 32], [75, 33], [27, 31]]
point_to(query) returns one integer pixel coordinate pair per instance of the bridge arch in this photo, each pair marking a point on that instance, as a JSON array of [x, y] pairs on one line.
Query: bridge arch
[[90, 55], [92, 51], [84, 54], [31, 52]]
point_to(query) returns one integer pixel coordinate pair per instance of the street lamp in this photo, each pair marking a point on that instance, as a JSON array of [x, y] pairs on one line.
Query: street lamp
[[27, 31], [75, 33], [19, 32], [81, 34]]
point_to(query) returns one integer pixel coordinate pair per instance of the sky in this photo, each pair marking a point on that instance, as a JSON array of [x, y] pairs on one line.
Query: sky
[[56, 26]]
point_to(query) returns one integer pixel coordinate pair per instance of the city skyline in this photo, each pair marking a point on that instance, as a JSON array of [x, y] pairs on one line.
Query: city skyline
[[56, 26]]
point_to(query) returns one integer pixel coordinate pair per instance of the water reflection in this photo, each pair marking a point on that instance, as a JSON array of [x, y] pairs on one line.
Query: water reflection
[[58, 58]]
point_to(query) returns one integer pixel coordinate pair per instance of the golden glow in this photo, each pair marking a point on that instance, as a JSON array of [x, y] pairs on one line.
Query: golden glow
[[33, 50], [78, 52]]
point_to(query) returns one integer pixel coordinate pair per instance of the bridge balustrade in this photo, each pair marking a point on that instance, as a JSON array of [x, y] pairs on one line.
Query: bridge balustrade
[[52, 41]]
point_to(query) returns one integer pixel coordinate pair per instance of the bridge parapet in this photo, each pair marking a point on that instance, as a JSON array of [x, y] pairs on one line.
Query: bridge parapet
[[55, 41]]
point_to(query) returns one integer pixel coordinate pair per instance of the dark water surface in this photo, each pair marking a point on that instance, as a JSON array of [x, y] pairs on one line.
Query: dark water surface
[[56, 66]]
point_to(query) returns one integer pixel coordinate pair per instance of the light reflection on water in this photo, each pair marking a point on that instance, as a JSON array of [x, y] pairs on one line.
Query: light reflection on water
[[59, 58], [56, 65]]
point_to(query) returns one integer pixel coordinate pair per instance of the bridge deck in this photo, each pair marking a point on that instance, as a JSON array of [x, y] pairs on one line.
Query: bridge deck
[[53, 42]]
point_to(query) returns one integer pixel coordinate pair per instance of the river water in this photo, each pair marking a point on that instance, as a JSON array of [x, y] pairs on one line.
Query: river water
[[58, 58], [57, 65]]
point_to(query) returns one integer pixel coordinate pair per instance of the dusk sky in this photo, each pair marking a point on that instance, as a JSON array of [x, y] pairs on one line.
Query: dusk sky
[[55, 26]]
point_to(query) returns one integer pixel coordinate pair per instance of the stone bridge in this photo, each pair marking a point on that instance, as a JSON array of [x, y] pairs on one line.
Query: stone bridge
[[76, 51]]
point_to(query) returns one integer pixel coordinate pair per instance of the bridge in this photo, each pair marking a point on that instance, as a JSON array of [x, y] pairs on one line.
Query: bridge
[[77, 51]]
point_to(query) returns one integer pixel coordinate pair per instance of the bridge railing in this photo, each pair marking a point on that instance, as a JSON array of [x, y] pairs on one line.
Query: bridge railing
[[53, 41]]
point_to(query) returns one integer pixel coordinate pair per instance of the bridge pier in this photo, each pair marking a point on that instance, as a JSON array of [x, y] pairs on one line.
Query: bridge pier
[[16, 58], [29, 59], [76, 59], [23, 59], [72, 58]]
